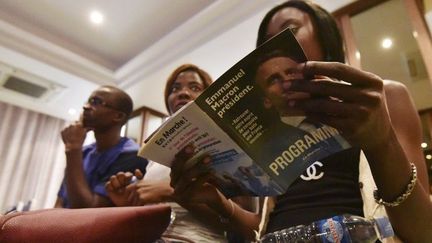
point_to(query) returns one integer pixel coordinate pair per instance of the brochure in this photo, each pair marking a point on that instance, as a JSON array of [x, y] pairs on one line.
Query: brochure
[[258, 144]]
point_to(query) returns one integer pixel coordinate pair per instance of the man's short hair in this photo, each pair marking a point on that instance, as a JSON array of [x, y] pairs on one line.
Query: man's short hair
[[123, 101]]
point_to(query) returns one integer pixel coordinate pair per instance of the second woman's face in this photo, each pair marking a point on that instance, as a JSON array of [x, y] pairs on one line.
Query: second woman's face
[[303, 28], [187, 87]]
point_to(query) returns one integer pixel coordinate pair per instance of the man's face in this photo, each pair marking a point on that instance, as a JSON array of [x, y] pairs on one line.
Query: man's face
[[275, 77], [100, 109]]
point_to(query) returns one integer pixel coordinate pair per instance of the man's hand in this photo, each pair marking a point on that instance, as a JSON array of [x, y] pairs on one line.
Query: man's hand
[[116, 187], [73, 136], [124, 192], [149, 192]]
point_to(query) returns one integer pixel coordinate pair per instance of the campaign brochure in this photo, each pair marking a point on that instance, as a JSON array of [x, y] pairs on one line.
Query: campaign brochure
[[243, 122]]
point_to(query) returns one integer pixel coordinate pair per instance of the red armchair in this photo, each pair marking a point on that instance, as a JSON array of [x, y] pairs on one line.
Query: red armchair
[[117, 224]]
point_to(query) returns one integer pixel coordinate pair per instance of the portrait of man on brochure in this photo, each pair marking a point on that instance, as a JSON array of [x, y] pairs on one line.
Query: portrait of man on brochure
[[275, 73], [300, 138]]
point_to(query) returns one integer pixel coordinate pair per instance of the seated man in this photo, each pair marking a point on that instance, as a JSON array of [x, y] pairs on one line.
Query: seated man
[[89, 167]]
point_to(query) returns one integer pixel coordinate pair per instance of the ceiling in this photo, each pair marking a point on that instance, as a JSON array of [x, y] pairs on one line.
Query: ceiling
[[130, 26], [54, 42]]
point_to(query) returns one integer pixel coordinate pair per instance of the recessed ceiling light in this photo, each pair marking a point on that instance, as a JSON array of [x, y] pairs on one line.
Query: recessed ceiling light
[[72, 111], [387, 43], [428, 156], [424, 145], [96, 17]]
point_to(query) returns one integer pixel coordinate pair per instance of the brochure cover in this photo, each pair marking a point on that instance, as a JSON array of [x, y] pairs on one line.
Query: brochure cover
[[259, 144]]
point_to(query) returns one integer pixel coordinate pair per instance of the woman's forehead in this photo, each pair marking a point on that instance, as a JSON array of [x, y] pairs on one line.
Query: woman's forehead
[[284, 17], [188, 75]]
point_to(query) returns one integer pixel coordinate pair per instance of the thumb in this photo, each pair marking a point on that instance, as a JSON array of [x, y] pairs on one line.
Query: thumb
[[139, 175]]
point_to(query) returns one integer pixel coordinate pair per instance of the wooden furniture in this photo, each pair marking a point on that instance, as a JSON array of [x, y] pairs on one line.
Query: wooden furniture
[[142, 123]]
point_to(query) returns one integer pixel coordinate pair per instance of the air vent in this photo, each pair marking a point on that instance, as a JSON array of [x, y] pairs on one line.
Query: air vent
[[18, 83], [24, 87]]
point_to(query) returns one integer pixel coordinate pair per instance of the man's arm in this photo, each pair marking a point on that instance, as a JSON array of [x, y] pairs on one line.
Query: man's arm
[[79, 193], [58, 203]]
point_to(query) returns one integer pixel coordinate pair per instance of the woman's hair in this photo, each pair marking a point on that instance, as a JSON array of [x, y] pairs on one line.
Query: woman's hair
[[205, 77], [324, 24]]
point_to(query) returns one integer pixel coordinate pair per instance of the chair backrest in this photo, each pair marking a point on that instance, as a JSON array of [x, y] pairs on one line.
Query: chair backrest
[[116, 224]]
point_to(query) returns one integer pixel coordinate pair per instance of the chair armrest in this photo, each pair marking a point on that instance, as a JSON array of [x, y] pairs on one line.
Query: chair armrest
[[116, 224]]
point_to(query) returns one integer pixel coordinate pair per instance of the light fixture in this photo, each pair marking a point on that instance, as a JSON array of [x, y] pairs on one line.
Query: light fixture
[[428, 156], [96, 17], [424, 145], [357, 55], [387, 43], [415, 34], [72, 111]]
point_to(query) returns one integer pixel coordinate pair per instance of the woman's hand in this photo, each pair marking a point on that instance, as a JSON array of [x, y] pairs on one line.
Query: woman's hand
[[191, 177], [356, 108]]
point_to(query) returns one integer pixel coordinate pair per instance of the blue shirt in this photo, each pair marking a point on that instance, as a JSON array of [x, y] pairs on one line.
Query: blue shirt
[[99, 166]]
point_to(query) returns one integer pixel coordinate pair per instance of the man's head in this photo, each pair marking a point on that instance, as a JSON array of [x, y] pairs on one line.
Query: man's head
[[275, 72], [107, 107]]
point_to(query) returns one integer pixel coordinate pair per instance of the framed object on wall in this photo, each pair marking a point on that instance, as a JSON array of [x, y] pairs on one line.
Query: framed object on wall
[[142, 123]]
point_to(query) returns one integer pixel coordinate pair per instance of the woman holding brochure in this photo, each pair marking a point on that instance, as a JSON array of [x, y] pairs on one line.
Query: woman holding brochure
[[376, 116], [183, 85]]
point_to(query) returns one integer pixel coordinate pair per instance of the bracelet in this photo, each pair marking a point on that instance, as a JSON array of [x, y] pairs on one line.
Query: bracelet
[[402, 197], [226, 220]]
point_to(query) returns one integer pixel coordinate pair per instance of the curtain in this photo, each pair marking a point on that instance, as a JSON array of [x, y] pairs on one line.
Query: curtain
[[31, 157]]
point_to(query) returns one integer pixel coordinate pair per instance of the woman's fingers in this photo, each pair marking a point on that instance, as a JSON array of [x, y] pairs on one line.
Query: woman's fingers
[[356, 107], [190, 176], [341, 71], [189, 173], [188, 190], [339, 90], [332, 108], [177, 167]]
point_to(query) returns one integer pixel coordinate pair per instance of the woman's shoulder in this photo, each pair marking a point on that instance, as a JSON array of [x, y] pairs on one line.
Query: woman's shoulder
[[395, 86], [398, 96]]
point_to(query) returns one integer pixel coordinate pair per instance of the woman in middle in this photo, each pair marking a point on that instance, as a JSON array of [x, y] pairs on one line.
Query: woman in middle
[[184, 84]]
